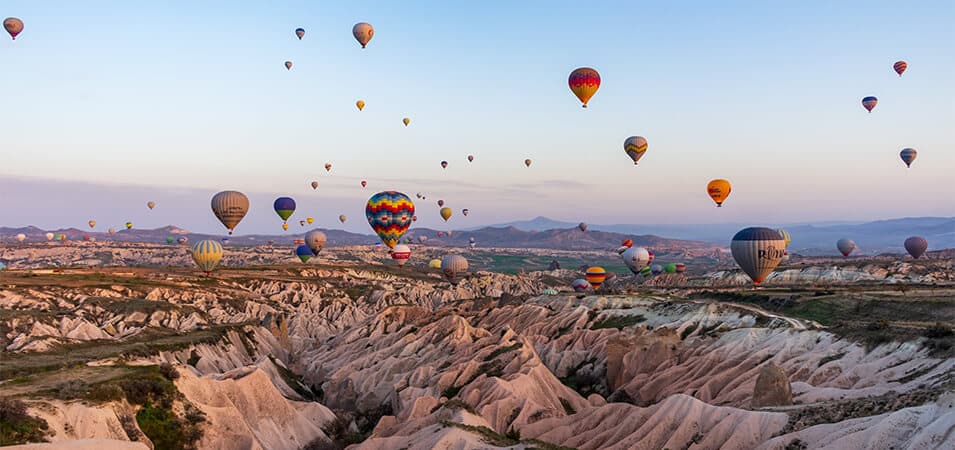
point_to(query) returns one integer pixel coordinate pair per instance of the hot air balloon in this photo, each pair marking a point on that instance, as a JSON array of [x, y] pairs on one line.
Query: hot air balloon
[[445, 213], [440, 203], [389, 214], [785, 234], [900, 67], [303, 252], [230, 207], [465, 211], [284, 227], [635, 147], [845, 246], [150, 205], [284, 207], [225, 240], [718, 189], [440, 234], [301, 222], [342, 218], [364, 183], [584, 83], [400, 254], [916, 246], [627, 243], [452, 266], [288, 65], [170, 239], [582, 226], [315, 240], [129, 225], [656, 269], [646, 271], [309, 220], [757, 251], [651, 256], [49, 236], [670, 268], [472, 240], [680, 268], [300, 32], [111, 231], [21, 237], [580, 285], [470, 158], [422, 239], [314, 185], [869, 103], [444, 164], [360, 104], [13, 26], [363, 33], [596, 276], [207, 255], [328, 167], [406, 121], [527, 162], [434, 264], [908, 155], [91, 223], [636, 258], [182, 240]]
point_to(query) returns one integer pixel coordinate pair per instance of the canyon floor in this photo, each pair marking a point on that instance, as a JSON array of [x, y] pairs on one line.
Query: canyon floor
[[127, 346]]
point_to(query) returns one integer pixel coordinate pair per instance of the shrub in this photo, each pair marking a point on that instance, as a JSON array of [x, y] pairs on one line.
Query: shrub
[[18, 427], [938, 331], [72, 389], [168, 371]]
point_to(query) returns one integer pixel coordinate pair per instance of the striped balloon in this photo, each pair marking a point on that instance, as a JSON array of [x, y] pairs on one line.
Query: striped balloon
[[580, 285], [584, 83], [869, 103], [389, 213], [635, 147], [900, 67], [401, 254], [596, 276], [230, 207], [207, 255], [452, 266], [758, 251]]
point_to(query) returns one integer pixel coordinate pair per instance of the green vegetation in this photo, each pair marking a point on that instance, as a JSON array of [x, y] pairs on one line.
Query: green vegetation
[[618, 322], [488, 435], [17, 426], [582, 382], [455, 404]]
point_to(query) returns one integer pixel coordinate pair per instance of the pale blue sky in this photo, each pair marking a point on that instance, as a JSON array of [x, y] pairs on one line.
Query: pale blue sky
[[172, 101]]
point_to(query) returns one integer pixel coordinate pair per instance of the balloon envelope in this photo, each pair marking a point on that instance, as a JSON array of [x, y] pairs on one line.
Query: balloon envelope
[[595, 276], [315, 240], [580, 285], [389, 214], [230, 207], [470, 158], [13, 26], [908, 155], [363, 33], [444, 164], [303, 252], [288, 65], [636, 258], [401, 253], [635, 147], [364, 183], [916, 246], [207, 254], [406, 121], [869, 103], [314, 185], [360, 104], [453, 265], [342, 218], [584, 83], [284, 207], [900, 67], [446, 213], [465, 211], [757, 251], [845, 246], [670, 268], [527, 162], [150, 205], [91, 223], [718, 190], [300, 32], [582, 226]]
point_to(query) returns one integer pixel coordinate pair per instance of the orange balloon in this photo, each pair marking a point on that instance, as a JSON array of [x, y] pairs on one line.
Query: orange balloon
[[718, 189]]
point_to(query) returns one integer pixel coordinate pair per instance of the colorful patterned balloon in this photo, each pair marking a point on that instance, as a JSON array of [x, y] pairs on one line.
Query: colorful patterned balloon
[[869, 103], [635, 147], [389, 214], [596, 276], [900, 67], [584, 83]]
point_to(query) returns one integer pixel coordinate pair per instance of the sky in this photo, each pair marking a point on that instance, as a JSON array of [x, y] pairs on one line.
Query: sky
[[110, 104]]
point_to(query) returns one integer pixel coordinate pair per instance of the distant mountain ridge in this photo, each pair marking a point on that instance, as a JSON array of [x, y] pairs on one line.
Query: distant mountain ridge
[[871, 237]]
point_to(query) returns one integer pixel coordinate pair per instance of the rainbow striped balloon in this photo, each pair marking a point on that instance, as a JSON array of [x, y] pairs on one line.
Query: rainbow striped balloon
[[207, 255], [389, 213], [596, 276]]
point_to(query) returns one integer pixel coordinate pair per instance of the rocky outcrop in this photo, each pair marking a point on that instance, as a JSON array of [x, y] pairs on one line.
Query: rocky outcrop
[[772, 387]]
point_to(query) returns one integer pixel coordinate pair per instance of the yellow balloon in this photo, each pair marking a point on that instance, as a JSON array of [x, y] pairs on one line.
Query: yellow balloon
[[718, 189], [309, 220], [360, 104], [285, 226], [446, 213], [406, 121]]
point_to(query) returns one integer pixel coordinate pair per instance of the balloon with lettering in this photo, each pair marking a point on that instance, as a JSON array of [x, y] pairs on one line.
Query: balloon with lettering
[[230, 207], [389, 214], [757, 251], [718, 190], [584, 83], [401, 253]]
